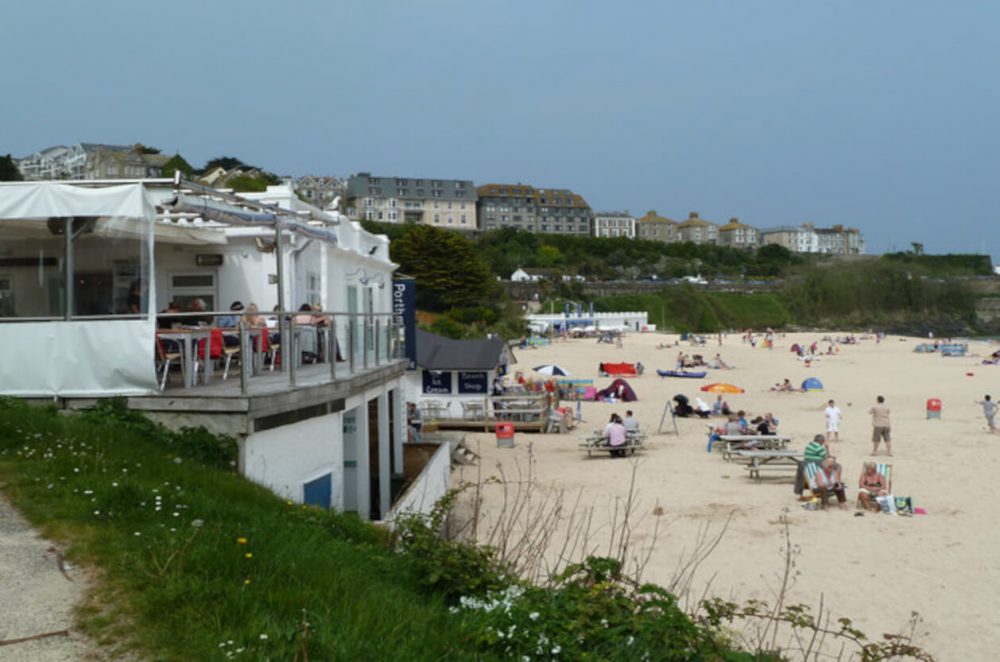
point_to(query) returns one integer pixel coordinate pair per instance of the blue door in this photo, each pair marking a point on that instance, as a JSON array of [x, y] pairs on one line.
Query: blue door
[[317, 492]]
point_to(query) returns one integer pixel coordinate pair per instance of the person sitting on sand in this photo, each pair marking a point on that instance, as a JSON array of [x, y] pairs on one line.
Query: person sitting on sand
[[827, 480], [871, 485], [785, 386], [719, 364], [717, 406], [616, 435]]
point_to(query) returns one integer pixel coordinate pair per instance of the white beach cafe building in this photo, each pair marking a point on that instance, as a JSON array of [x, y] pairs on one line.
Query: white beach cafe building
[[324, 426]]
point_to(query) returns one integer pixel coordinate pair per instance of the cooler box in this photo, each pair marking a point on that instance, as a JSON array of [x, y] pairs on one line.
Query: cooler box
[[505, 435], [933, 408]]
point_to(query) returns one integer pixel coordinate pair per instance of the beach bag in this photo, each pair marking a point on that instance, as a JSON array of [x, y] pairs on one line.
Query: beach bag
[[887, 504], [904, 505]]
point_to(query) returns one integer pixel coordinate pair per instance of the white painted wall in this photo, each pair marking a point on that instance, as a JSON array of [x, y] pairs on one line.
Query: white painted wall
[[432, 484], [285, 458]]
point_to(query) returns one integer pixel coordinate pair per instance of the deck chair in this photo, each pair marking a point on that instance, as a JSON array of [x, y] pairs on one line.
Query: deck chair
[[886, 471], [164, 359]]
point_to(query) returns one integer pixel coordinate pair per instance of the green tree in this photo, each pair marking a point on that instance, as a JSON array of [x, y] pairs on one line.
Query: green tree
[[247, 184], [8, 170], [224, 162], [447, 267], [175, 164]]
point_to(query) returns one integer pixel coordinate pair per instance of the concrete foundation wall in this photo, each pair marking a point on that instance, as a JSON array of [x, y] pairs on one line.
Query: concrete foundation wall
[[432, 484], [285, 458]]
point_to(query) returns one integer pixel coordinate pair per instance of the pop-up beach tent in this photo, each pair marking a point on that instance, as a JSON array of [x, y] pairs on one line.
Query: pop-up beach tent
[[620, 390], [812, 384]]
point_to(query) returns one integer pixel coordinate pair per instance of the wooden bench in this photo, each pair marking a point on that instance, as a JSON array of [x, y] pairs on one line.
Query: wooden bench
[[634, 442], [778, 460]]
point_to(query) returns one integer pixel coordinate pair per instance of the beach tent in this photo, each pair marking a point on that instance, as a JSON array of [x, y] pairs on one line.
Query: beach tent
[[812, 384], [620, 390]]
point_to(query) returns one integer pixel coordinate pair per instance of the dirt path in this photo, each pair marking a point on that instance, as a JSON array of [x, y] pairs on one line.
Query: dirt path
[[36, 596]]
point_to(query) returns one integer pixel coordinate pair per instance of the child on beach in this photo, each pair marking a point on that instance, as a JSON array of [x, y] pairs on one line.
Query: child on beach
[[989, 411]]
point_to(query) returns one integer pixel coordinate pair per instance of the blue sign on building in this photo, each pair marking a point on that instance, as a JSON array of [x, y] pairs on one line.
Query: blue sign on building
[[472, 383], [404, 313], [437, 382]]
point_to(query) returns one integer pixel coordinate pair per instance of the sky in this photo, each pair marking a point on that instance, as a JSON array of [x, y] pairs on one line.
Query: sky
[[881, 115]]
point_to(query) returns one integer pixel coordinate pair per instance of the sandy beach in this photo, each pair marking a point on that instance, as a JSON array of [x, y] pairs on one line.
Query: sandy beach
[[875, 569]]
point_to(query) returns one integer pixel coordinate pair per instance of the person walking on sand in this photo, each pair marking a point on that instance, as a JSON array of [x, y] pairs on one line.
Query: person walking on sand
[[880, 426], [989, 411], [833, 416]]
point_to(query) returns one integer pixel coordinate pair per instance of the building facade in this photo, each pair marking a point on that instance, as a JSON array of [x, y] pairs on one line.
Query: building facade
[[614, 224], [738, 235], [652, 227], [698, 230], [112, 163], [523, 207], [90, 161], [444, 203], [806, 238], [321, 191], [838, 240]]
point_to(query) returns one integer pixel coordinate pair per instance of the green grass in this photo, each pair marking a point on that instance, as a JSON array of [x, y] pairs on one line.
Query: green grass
[[192, 557], [685, 308]]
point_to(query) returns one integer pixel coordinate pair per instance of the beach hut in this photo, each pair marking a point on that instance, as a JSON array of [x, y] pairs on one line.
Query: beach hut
[[620, 390], [812, 384]]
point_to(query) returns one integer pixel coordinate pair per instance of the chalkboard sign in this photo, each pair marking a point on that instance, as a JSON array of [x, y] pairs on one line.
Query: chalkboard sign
[[472, 383], [437, 383]]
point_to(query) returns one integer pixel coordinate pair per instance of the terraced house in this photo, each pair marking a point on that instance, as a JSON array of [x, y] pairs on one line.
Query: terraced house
[[653, 227], [524, 207], [445, 203], [698, 230], [738, 235]]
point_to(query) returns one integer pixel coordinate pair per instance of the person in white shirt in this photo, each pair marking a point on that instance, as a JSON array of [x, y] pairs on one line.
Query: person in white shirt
[[833, 416]]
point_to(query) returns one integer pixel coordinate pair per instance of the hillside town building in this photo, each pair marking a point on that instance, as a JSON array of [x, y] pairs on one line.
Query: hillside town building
[[653, 227], [614, 224], [524, 207], [91, 161], [443, 203], [738, 235], [806, 238], [321, 191], [698, 230]]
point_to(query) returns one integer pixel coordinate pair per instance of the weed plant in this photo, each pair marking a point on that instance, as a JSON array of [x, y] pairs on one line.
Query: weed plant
[[198, 563]]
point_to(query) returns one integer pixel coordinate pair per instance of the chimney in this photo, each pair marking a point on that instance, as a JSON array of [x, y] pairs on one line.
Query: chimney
[[693, 214]]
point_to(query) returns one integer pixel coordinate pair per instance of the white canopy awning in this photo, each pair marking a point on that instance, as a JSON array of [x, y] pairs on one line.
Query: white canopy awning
[[43, 200]]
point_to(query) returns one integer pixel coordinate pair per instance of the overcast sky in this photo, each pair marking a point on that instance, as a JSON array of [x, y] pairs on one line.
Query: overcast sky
[[881, 115]]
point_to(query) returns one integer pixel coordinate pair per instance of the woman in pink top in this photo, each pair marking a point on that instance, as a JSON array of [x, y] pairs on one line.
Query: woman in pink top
[[616, 433]]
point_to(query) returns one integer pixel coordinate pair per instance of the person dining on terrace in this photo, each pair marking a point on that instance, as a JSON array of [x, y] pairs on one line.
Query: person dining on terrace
[[231, 322], [198, 306]]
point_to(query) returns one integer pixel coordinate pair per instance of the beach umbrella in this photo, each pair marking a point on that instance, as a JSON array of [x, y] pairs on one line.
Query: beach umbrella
[[551, 370], [721, 387]]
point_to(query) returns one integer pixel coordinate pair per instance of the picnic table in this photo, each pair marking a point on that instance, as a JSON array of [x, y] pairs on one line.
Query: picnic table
[[731, 443], [634, 442], [769, 459]]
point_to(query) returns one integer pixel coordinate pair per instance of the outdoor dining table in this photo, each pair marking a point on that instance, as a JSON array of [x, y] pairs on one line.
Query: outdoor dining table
[[189, 339], [254, 345], [734, 442]]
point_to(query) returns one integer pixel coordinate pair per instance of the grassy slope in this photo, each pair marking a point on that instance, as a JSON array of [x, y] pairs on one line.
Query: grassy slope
[[185, 588], [685, 308]]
